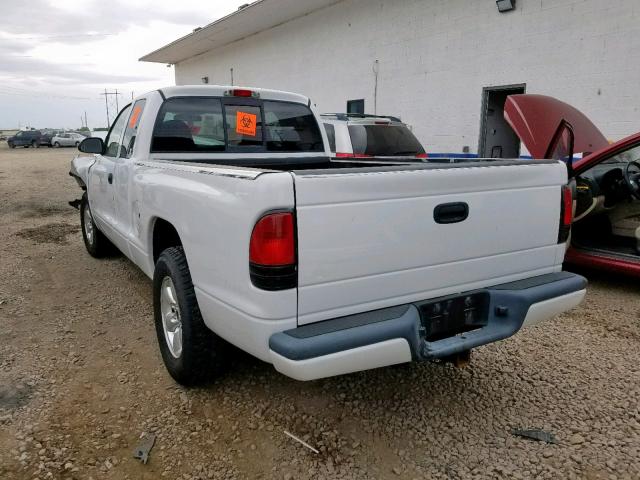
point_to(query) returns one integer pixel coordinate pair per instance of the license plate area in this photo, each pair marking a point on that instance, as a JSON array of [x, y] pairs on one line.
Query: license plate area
[[452, 315]]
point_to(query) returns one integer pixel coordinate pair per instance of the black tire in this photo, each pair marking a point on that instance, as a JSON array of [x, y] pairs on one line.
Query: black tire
[[77, 143], [57, 144], [35, 144], [11, 145], [198, 361], [96, 243]]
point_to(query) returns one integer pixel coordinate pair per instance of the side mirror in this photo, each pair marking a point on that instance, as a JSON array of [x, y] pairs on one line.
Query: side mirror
[[91, 145]]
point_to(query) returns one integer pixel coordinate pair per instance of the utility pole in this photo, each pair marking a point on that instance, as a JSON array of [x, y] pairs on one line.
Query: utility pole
[[86, 124], [107, 101]]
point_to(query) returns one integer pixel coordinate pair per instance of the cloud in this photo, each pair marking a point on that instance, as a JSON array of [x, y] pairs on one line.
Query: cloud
[[24, 66], [57, 56], [46, 21]]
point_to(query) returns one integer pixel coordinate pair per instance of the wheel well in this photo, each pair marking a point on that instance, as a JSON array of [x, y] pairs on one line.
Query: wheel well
[[164, 236]]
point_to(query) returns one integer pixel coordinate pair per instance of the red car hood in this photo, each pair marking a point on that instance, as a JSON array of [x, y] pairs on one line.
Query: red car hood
[[537, 118]]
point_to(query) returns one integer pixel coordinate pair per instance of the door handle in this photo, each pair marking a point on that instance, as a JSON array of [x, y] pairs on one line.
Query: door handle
[[451, 212], [110, 178]]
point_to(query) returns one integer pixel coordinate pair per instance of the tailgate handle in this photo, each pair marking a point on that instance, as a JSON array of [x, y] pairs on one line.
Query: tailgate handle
[[451, 212]]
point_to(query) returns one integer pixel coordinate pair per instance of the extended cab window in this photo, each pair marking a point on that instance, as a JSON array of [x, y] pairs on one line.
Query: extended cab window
[[113, 139], [131, 129], [189, 125]]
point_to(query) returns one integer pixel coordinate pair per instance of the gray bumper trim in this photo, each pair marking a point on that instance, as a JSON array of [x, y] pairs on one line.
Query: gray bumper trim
[[404, 321]]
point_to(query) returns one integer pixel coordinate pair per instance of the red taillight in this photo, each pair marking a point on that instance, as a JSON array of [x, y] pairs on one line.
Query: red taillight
[[567, 206], [240, 92], [422, 155], [273, 241], [566, 214]]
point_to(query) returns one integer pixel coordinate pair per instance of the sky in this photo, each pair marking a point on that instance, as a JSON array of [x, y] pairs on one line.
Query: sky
[[58, 56]]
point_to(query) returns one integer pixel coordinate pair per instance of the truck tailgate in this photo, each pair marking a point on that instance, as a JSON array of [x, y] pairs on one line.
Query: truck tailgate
[[368, 239]]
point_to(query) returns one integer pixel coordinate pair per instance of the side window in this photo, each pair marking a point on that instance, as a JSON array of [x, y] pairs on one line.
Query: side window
[[331, 136], [113, 139], [131, 130]]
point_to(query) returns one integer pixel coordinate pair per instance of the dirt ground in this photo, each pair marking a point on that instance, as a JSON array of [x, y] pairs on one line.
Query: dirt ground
[[81, 379]]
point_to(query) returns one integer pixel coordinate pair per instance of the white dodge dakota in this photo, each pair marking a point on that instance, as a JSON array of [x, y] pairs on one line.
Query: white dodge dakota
[[228, 199]]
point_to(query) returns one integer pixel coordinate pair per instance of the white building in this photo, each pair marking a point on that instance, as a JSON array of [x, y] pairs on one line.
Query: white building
[[443, 66]]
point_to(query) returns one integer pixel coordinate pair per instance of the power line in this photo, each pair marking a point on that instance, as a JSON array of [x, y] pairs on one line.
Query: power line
[[110, 102]]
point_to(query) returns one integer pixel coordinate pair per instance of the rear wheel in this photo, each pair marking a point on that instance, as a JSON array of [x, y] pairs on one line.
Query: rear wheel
[[11, 145], [190, 350], [95, 242], [77, 143]]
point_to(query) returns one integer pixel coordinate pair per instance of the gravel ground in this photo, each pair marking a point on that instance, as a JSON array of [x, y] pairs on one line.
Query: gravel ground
[[81, 379]]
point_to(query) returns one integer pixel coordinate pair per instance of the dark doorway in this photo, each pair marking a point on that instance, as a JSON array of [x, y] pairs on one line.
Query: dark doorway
[[497, 139], [355, 106]]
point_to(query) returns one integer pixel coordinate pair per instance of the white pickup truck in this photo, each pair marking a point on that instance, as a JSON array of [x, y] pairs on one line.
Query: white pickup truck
[[228, 199]]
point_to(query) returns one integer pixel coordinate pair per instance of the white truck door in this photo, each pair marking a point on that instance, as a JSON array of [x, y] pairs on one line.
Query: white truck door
[[101, 179], [126, 211]]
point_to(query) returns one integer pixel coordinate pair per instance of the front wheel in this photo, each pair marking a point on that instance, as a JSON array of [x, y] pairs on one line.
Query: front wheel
[[35, 144], [11, 145], [56, 144], [190, 350], [95, 242]]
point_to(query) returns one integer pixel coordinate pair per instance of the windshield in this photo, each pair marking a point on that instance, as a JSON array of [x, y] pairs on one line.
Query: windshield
[[384, 140], [630, 155], [196, 124]]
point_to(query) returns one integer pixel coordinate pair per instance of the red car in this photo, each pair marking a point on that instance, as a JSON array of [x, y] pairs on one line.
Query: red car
[[605, 181]]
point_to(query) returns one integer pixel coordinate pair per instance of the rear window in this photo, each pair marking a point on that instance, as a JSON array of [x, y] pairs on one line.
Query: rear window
[[291, 127], [189, 125], [384, 140], [197, 124]]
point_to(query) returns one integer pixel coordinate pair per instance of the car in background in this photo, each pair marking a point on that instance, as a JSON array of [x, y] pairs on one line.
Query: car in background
[[28, 138], [47, 135], [67, 139], [355, 135], [605, 179]]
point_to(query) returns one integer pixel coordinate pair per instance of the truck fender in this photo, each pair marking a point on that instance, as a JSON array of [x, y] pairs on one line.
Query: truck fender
[[80, 170]]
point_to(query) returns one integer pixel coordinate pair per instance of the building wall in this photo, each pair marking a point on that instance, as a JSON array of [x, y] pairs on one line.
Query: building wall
[[435, 56]]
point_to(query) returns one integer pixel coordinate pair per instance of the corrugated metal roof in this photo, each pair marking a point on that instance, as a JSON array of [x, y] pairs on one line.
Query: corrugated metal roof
[[254, 18]]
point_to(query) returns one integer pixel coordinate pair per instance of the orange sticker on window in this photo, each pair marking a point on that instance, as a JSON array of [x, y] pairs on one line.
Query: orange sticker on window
[[135, 116], [246, 123]]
